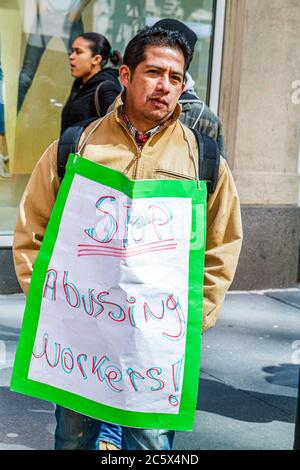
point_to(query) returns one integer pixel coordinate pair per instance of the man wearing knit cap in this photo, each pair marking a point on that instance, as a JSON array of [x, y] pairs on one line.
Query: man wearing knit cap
[[195, 113], [175, 25]]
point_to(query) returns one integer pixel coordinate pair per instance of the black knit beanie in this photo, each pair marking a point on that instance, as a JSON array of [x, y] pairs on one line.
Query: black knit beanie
[[175, 25]]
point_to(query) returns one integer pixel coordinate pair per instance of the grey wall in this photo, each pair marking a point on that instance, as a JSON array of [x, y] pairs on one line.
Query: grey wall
[[269, 257], [8, 280]]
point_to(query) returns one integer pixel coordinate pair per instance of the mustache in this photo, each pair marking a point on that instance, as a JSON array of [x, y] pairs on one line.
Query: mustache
[[160, 98]]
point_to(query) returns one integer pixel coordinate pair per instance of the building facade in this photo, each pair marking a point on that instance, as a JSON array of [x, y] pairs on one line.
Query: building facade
[[246, 66], [259, 105]]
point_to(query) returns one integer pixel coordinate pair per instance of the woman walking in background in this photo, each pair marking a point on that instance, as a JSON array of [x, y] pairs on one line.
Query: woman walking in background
[[96, 83]]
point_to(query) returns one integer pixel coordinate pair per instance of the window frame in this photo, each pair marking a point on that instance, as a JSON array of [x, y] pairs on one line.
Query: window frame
[[217, 55]]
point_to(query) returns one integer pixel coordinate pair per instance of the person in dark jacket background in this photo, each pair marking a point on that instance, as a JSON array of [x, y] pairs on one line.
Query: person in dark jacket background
[[96, 85]]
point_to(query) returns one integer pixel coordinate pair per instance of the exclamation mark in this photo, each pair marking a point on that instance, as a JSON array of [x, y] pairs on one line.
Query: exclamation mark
[[176, 376]]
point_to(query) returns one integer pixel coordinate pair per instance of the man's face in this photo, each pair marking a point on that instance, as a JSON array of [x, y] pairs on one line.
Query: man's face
[[154, 88]]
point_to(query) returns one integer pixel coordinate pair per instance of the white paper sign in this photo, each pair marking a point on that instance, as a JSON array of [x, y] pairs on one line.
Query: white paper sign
[[112, 326]]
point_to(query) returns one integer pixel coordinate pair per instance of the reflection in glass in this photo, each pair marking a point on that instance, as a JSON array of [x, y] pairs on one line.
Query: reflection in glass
[[4, 159], [60, 19], [41, 33]]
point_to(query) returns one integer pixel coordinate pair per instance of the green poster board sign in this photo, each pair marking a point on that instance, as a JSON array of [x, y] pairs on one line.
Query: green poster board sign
[[112, 324]]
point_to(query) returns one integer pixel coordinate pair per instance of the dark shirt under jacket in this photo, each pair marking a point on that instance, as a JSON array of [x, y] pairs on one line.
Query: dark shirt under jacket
[[81, 102]]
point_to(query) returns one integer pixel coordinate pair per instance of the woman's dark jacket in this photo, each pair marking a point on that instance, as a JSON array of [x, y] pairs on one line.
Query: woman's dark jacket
[[81, 102]]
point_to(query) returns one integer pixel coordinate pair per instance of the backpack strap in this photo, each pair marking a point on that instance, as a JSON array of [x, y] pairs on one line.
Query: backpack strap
[[208, 150], [96, 97], [209, 160], [68, 143]]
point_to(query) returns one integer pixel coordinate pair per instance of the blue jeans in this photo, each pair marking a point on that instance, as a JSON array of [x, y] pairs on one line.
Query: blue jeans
[[111, 433], [76, 431]]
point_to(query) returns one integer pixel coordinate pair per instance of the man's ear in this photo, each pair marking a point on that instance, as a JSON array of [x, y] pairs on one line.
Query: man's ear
[[125, 75]]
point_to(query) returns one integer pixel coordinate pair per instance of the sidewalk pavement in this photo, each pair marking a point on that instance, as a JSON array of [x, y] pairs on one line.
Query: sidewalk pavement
[[247, 387]]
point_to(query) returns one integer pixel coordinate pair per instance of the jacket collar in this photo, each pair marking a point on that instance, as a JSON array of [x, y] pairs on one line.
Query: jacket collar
[[102, 75]]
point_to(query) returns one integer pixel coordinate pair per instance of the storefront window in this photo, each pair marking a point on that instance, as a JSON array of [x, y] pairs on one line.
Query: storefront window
[[35, 81]]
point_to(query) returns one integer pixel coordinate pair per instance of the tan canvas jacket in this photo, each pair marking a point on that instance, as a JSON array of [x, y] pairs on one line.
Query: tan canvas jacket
[[172, 153]]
